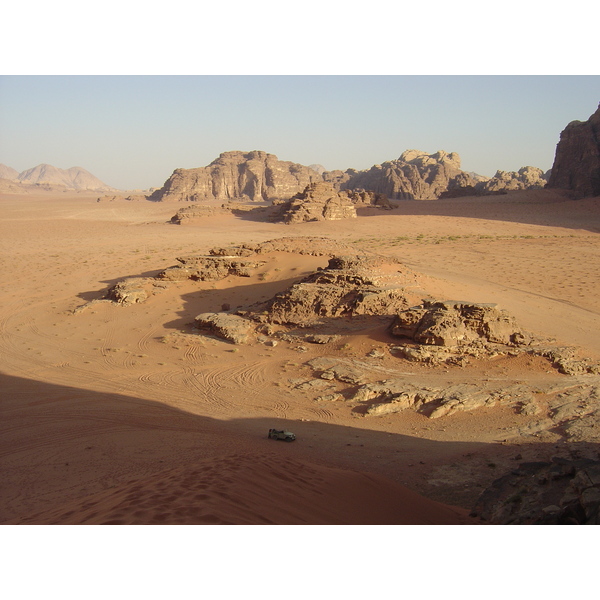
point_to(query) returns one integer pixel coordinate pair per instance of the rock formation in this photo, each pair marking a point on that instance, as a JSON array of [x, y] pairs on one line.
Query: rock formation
[[190, 214], [317, 202], [415, 175], [527, 178], [577, 160], [397, 395], [457, 324], [227, 326], [368, 198], [560, 492], [349, 286], [210, 268], [255, 176]]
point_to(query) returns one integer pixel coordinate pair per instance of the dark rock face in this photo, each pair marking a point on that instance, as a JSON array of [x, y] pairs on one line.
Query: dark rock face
[[255, 176], [561, 492], [577, 161]]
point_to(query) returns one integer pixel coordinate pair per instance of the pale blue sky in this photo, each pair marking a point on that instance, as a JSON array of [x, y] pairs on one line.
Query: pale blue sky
[[133, 131]]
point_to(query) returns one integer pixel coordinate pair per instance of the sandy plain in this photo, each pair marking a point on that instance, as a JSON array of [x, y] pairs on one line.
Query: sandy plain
[[127, 415]]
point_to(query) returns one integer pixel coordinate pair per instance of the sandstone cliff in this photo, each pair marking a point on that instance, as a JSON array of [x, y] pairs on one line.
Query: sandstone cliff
[[577, 160], [415, 175], [255, 176]]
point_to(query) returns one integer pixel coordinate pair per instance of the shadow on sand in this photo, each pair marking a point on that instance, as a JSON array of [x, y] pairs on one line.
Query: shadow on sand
[[61, 444]]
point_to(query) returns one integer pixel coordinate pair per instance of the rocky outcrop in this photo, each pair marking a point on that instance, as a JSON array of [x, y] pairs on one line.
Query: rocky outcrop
[[415, 175], [577, 160], [317, 202], [560, 492], [526, 178], [130, 291], [210, 268], [191, 214], [250, 176], [397, 395], [349, 286], [368, 198], [452, 323], [230, 327]]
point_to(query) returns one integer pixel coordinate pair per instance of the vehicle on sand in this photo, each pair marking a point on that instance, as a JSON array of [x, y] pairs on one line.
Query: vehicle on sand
[[281, 434]]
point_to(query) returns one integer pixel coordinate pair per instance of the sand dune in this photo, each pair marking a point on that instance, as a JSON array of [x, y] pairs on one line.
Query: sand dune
[[263, 489]]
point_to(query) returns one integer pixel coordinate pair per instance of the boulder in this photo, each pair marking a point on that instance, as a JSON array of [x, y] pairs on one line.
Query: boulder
[[232, 328], [129, 291], [577, 160]]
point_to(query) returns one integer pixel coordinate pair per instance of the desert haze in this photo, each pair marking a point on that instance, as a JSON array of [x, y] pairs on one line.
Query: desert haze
[[437, 359]]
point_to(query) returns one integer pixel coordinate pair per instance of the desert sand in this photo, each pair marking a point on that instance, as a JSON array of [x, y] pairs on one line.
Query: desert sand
[[129, 415]]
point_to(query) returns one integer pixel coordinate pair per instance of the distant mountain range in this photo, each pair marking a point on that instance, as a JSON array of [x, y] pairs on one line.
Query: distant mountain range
[[75, 178]]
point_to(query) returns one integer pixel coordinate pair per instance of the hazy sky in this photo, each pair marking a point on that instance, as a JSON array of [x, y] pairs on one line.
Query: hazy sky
[[133, 131]]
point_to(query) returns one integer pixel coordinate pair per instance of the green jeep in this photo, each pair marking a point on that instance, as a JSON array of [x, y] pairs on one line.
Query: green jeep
[[281, 434]]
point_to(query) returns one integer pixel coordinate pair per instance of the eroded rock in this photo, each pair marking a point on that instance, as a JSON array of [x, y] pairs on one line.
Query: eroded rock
[[232, 328], [252, 176], [349, 286], [210, 268], [317, 202], [457, 324]]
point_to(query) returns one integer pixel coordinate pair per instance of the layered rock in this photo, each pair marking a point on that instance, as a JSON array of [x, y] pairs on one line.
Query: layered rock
[[252, 176], [415, 175], [210, 268], [191, 214], [397, 395], [317, 202], [577, 160]]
